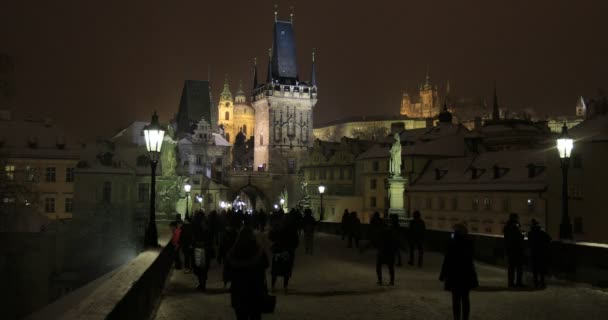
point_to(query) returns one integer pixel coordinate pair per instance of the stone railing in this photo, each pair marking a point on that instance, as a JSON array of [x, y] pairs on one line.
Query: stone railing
[[133, 291], [574, 261]]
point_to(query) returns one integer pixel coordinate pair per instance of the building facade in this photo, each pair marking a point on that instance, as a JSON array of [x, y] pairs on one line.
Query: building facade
[[235, 115], [283, 107], [425, 105]]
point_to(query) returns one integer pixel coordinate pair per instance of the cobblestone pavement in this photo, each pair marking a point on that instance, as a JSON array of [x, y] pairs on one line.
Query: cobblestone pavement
[[340, 283]]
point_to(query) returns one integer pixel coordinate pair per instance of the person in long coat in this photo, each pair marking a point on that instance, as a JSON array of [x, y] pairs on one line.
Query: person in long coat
[[345, 224], [458, 271], [540, 247], [203, 248], [387, 246], [514, 245], [247, 262], [417, 229], [354, 229], [285, 240]]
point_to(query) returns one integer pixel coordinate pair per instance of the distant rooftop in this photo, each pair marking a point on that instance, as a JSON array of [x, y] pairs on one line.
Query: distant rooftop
[[384, 117]]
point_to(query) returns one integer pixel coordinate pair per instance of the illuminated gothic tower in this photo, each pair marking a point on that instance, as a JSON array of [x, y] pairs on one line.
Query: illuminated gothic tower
[[283, 106], [226, 112]]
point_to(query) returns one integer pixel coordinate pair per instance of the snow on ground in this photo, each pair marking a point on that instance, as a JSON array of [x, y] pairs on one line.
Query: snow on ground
[[340, 283]]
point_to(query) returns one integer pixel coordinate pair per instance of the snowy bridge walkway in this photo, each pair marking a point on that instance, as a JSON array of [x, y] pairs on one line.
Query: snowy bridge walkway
[[340, 283]]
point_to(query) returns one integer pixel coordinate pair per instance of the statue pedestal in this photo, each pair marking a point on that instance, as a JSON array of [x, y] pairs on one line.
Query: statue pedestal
[[396, 196]]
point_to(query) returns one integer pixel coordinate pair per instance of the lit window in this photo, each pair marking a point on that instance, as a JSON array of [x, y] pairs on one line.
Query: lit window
[[10, 172], [227, 116]]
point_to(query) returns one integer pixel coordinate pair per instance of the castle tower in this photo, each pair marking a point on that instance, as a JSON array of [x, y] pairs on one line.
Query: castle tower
[[283, 106], [244, 114], [226, 112], [429, 99]]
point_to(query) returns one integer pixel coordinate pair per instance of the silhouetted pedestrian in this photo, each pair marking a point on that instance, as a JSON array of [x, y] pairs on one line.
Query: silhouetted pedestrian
[[203, 248], [308, 225], [284, 239], [417, 229], [376, 225], [186, 245], [354, 230], [263, 219], [386, 246], [540, 248], [514, 245], [396, 231], [458, 272], [247, 263], [176, 232], [226, 242], [345, 224]]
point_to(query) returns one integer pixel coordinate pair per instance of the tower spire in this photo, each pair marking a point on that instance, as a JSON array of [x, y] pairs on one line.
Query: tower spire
[[269, 74], [495, 110], [313, 72], [226, 94], [255, 73]]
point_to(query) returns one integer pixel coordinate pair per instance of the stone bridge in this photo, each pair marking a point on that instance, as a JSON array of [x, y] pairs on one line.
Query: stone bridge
[[264, 189]]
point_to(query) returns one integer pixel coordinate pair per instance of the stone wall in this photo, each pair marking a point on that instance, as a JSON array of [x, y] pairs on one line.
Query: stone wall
[[572, 261]]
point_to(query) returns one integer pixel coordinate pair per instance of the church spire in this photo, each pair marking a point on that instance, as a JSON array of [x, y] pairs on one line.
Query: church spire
[[269, 74], [427, 80], [226, 94], [495, 110], [313, 72], [255, 73]]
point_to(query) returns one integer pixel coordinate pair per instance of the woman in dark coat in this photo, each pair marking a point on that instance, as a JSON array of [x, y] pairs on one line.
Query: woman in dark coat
[[285, 240], [458, 271], [247, 263], [203, 248]]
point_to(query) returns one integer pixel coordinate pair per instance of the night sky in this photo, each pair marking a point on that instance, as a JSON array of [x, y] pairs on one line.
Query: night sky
[[97, 67]]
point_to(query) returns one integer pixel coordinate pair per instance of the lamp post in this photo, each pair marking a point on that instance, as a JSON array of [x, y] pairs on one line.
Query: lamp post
[[282, 202], [565, 145], [222, 205], [199, 199], [187, 188], [321, 192], [154, 134]]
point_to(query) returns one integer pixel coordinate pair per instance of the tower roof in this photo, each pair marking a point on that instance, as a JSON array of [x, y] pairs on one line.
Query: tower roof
[[226, 94], [195, 104], [445, 116], [240, 91], [284, 63]]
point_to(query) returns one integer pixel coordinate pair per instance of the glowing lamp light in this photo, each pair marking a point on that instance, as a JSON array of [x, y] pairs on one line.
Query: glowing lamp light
[[199, 199], [187, 187], [154, 135], [321, 189], [282, 201], [276, 206], [565, 144], [222, 204]]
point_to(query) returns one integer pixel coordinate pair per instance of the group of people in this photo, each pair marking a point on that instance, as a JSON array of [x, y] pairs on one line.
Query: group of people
[[245, 261], [229, 237]]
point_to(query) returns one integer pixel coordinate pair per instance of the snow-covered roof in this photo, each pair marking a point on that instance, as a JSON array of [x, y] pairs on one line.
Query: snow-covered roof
[[492, 171], [37, 138], [595, 129], [219, 140]]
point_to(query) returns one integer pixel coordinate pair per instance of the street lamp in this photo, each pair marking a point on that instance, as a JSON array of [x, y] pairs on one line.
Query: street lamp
[[187, 188], [222, 204], [321, 192], [154, 135], [282, 202], [565, 144]]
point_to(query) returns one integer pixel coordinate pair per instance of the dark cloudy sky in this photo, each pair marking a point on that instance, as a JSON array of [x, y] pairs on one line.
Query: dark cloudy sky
[[95, 66]]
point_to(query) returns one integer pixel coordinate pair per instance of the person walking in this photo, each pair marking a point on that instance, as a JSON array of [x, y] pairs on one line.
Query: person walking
[[186, 245], [176, 232], [203, 248], [395, 229], [540, 248], [514, 245], [308, 225], [386, 246], [417, 229], [345, 224], [284, 239], [247, 263], [354, 230], [458, 272]]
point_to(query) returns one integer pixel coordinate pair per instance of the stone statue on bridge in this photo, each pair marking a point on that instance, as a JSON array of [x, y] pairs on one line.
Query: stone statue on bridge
[[395, 167]]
